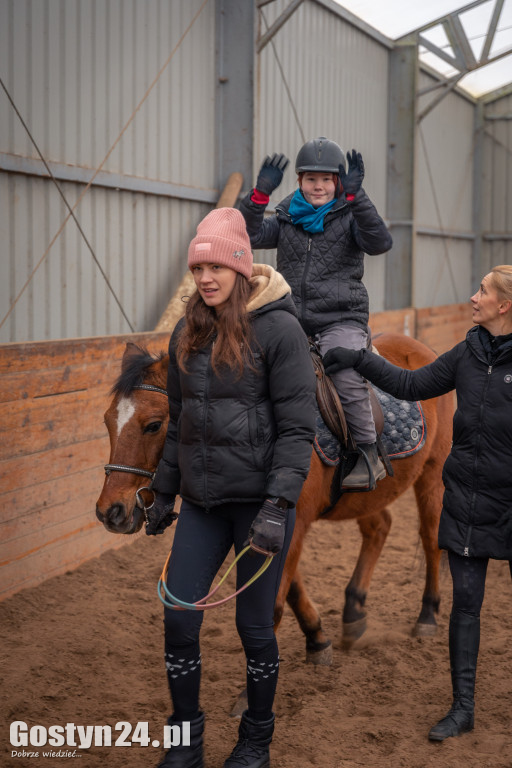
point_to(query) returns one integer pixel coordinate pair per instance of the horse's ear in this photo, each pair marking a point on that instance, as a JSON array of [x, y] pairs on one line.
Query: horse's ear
[[131, 350]]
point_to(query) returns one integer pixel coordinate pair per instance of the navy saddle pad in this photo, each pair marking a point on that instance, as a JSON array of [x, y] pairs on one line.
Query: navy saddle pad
[[405, 430]]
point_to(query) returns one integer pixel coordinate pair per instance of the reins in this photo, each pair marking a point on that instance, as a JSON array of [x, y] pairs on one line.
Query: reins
[[201, 605], [176, 604]]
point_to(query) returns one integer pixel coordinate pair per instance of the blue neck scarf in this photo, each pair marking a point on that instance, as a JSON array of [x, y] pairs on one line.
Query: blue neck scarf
[[310, 218]]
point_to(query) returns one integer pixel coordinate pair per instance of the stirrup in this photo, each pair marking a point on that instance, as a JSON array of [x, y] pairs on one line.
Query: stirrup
[[369, 482]]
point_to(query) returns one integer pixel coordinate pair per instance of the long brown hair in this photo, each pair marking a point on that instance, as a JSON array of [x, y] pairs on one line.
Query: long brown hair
[[230, 330]]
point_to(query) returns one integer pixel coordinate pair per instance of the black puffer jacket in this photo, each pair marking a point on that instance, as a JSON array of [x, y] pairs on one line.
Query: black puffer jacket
[[477, 505], [325, 269], [243, 439]]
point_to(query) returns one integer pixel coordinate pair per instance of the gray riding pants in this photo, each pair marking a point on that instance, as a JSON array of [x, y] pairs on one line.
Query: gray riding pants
[[349, 384]]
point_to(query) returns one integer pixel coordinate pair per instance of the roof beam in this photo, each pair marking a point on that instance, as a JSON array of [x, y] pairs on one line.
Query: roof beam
[[459, 41], [484, 58], [463, 59]]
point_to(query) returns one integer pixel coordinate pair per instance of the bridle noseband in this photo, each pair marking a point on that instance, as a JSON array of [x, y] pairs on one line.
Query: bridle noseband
[[137, 470]]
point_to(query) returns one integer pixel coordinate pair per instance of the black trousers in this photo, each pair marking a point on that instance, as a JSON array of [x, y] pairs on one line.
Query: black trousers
[[201, 543]]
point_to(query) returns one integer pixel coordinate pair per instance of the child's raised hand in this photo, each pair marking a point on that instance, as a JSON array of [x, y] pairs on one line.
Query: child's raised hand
[[271, 173], [353, 179]]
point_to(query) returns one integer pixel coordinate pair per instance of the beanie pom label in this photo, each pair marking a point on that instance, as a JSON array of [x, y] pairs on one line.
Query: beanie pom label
[[204, 247]]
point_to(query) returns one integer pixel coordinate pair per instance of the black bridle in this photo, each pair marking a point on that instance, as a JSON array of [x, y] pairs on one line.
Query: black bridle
[[137, 470]]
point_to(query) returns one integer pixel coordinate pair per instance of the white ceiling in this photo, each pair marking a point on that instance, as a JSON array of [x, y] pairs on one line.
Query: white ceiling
[[396, 18]]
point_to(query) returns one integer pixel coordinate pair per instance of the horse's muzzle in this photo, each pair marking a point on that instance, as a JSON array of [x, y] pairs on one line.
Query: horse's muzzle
[[116, 519]]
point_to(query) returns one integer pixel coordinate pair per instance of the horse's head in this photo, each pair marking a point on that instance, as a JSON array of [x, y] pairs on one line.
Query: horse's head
[[136, 420]]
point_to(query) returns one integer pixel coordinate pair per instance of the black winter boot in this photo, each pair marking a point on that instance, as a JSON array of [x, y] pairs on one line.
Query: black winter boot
[[186, 756], [252, 748], [464, 641], [361, 477]]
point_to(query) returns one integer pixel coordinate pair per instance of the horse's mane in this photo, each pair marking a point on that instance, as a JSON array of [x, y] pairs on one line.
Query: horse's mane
[[134, 370]]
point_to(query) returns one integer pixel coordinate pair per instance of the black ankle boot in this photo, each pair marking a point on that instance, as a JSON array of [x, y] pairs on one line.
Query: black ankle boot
[[186, 756], [464, 643], [252, 748], [460, 719]]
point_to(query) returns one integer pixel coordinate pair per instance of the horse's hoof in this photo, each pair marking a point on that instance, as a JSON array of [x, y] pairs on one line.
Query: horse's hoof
[[240, 705], [424, 630], [321, 658], [352, 632]]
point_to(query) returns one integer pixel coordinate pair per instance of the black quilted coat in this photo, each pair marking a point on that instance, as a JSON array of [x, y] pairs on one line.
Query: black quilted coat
[[325, 269], [242, 439], [477, 507]]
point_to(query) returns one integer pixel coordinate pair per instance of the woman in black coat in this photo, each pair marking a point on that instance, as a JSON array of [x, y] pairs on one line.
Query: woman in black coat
[[476, 520], [241, 389]]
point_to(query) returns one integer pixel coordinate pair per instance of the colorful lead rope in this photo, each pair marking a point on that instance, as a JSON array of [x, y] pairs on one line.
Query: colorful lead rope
[[201, 605]]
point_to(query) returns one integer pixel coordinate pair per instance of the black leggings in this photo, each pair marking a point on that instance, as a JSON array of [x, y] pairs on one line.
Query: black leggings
[[201, 543]]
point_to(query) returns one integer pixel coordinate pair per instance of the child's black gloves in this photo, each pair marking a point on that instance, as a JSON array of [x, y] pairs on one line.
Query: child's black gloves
[[353, 179], [271, 173]]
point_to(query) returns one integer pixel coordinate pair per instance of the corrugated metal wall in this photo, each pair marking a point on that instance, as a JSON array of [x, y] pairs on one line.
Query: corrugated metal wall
[[497, 169], [445, 145], [321, 76], [76, 71]]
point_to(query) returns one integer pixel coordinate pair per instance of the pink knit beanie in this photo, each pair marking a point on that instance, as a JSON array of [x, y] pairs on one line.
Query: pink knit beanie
[[222, 239]]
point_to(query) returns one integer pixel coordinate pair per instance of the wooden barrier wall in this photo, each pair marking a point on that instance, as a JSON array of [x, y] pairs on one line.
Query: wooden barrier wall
[[438, 327], [54, 444]]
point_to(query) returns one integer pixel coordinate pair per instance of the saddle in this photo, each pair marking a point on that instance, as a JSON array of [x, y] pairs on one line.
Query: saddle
[[331, 411], [330, 407]]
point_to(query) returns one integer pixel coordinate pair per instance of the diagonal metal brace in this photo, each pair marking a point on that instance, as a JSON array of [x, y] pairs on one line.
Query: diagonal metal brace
[[278, 23]]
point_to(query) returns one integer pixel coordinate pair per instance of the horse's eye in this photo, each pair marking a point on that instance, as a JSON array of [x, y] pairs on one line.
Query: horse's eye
[[153, 427]]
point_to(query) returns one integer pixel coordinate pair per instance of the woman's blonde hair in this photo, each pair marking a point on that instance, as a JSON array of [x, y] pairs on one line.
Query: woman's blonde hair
[[502, 280]]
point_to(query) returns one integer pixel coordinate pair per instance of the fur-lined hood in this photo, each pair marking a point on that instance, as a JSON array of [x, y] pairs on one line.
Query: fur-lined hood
[[269, 286]]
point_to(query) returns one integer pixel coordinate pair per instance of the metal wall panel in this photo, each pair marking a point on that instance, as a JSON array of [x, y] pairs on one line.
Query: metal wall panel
[[442, 271], [444, 163], [77, 70], [140, 241], [445, 145], [497, 167], [320, 75]]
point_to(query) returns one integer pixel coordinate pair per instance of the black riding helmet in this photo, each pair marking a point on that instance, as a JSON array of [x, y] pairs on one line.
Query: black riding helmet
[[319, 154]]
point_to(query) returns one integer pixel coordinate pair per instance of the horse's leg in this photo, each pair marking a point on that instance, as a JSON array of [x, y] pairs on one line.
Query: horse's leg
[[374, 530], [318, 645], [428, 489], [292, 590]]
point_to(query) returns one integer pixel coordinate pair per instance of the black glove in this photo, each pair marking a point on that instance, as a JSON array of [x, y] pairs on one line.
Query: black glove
[[338, 358], [161, 514], [352, 180], [271, 173], [266, 534]]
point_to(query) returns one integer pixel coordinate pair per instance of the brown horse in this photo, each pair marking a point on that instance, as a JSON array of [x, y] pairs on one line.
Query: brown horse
[[137, 419]]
